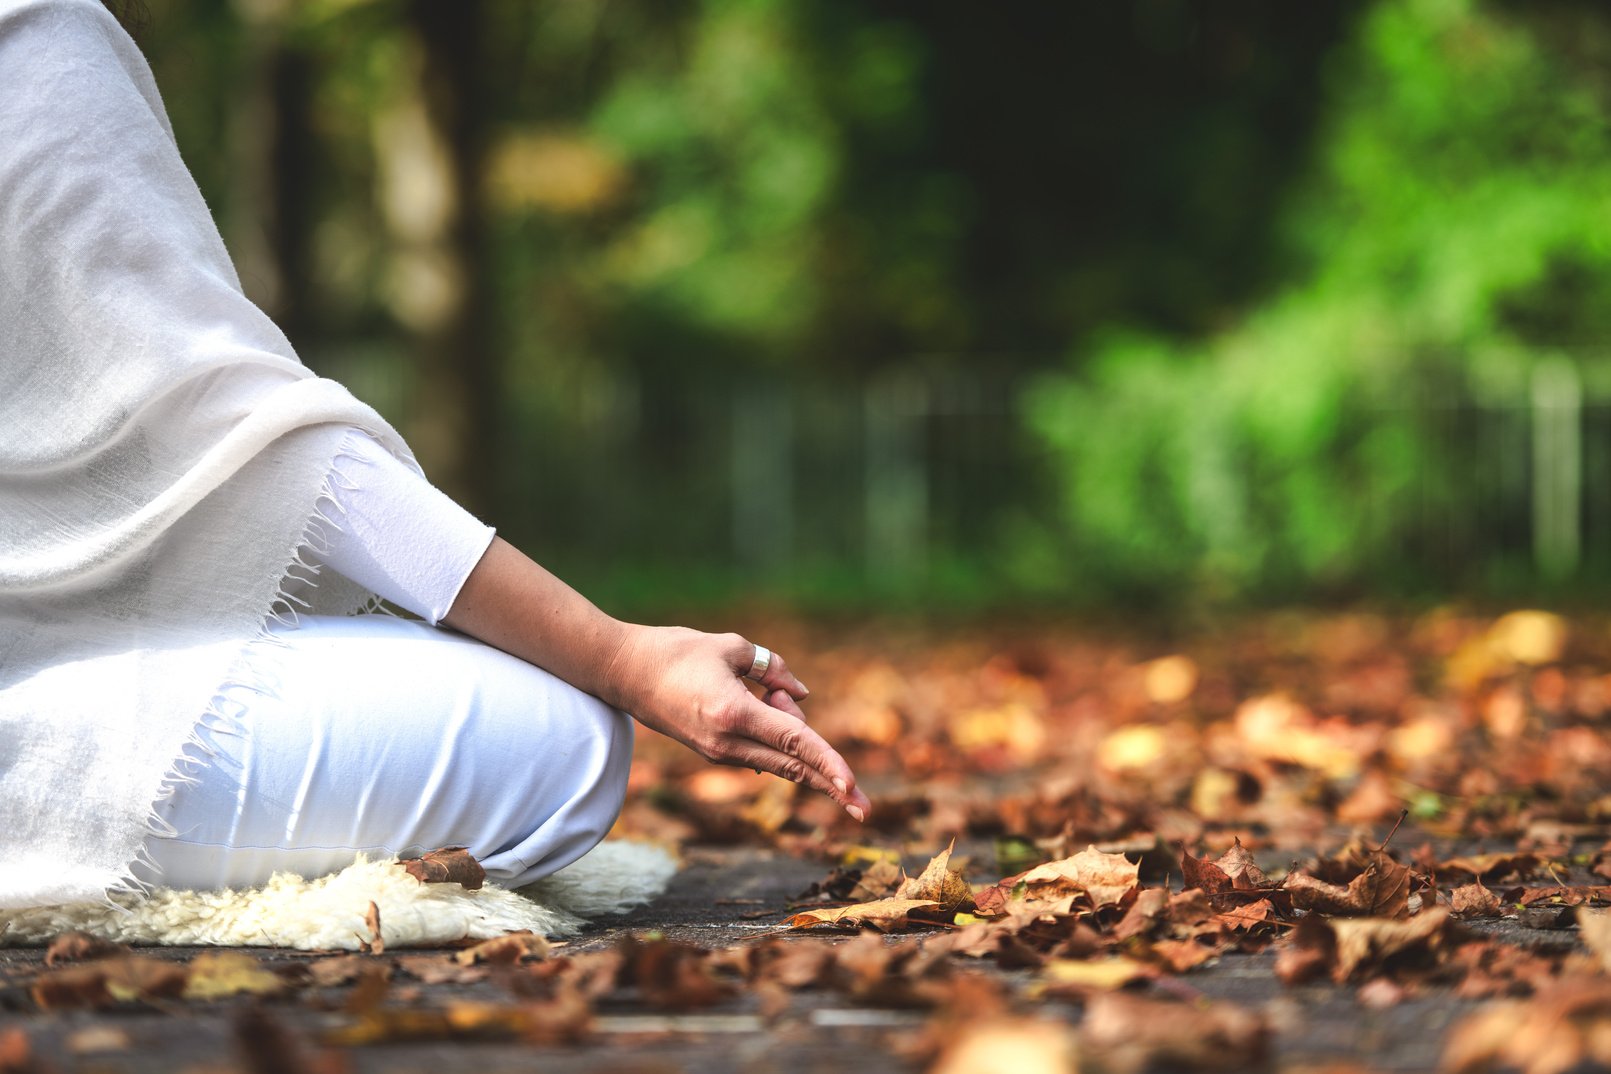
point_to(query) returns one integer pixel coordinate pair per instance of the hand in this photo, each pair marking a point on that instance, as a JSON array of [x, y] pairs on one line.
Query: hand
[[689, 686]]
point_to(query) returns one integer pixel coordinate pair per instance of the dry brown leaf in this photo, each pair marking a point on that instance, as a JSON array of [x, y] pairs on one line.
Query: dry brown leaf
[[1201, 875], [877, 881], [441, 969], [1091, 876], [563, 1020], [1248, 916], [341, 969], [374, 943], [1493, 867], [1381, 890], [1563, 1028], [938, 883], [505, 950], [884, 914], [1244, 873], [80, 947], [1129, 1034], [16, 1053], [447, 865], [1474, 900], [1594, 929], [1364, 943]]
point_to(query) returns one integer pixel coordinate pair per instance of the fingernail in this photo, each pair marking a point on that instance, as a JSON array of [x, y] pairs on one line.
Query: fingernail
[[841, 785], [856, 813], [804, 689]]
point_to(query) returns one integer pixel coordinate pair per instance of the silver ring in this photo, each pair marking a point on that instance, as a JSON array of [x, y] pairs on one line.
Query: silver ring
[[758, 666]]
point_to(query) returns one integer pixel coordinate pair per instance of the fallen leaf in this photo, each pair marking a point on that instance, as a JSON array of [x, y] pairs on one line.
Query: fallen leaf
[[441, 969], [1474, 900], [447, 865], [1064, 976], [1562, 1028], [80, 947], [1129, 1034], [1594, 929], [375, 943], [1369, 942], [216, 974], [16, 1053], [938, 884], [505, 950], [1247, 916], [1019, 1045], [1381, 890], [340, 970], [1492, 867], [1091, 875], [884, 914]]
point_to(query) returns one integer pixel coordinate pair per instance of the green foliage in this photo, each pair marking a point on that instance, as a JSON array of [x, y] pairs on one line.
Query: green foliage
[[1462, 173]]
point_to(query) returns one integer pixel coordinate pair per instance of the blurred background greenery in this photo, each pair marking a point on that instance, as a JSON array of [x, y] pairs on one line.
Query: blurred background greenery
[[894, 302]]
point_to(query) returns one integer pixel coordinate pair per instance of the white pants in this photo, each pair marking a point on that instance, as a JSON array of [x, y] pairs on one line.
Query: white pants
[[386, 736]]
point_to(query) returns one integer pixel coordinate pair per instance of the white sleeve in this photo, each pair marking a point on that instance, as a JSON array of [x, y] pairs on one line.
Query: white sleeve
[[399, 536]]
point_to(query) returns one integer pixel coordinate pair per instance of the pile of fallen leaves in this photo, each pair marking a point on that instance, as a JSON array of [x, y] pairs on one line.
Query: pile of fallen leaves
[[1132, 814]]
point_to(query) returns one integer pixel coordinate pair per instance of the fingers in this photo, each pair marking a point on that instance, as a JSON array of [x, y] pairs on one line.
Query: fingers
[[779, 729], [777, 676]]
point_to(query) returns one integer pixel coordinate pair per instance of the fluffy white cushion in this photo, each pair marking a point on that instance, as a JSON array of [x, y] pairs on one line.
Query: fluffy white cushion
[[330, 912]]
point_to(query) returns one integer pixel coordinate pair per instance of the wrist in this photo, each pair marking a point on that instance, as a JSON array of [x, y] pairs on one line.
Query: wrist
[[621, 679]]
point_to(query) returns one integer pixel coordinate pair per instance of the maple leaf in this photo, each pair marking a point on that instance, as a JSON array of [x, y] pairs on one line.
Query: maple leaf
[[1381, 890], [1474, 900], [446, 865], [1203, 875], [883, 914], [1247, 916], [938, 884], [1091, 875], [1244, 873]]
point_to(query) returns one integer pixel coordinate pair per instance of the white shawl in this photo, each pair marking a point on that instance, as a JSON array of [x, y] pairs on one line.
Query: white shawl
[[162, 455]]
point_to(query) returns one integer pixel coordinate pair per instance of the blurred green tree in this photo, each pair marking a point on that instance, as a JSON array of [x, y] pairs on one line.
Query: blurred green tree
[[1452, 237]]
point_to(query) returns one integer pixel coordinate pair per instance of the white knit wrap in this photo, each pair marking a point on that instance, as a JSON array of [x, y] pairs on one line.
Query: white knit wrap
[[162, 454]]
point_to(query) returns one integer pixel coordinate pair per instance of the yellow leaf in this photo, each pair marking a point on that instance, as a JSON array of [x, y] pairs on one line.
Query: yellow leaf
[[1095, 974], [215, 975]]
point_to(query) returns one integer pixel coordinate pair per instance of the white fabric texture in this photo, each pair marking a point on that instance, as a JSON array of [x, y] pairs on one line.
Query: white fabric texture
[[400, 537], [162, 454], [389, 737], [330, 913]]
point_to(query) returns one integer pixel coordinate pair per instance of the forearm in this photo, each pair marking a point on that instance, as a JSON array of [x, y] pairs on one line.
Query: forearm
[[679, 682], [513, 603]]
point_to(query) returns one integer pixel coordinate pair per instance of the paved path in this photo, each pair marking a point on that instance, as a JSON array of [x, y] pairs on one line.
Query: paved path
[[722, 897]]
